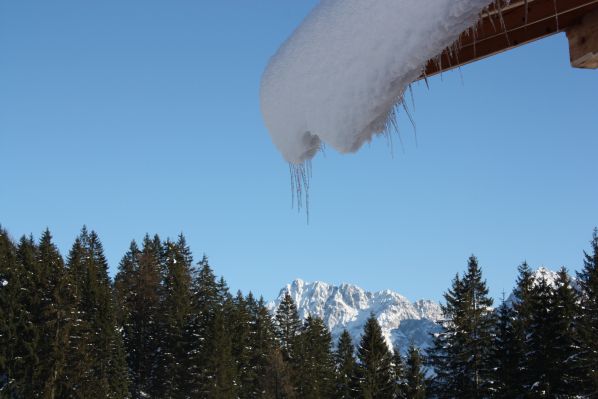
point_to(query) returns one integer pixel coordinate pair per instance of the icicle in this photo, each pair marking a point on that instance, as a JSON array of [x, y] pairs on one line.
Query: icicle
[[411, 95], [411, 119], [474, 34], [426, 80], [300, 177], [502, 23], [489, 16]]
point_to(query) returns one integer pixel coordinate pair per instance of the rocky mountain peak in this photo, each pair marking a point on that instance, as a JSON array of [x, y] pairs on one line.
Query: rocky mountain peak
[[348, 306]]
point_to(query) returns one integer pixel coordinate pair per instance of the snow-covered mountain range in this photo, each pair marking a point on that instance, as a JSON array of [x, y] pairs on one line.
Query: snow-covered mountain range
[[347, 306], [545, 274]]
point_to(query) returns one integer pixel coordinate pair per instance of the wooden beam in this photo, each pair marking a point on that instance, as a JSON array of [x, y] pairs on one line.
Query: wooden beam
[[583, 42], [506, 25]]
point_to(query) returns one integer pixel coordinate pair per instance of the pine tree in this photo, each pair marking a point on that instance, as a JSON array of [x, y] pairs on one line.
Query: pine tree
[[462, 353], [208, 297], [540, 371], [479, 323], [26, 360], [78, 356], [222, 362], [288, 325], [522, 306], [565, 347], [11, 313], [147, 307], [138, 296], [415, 382], [346, 365], [375, 362], [504, 357], [260, 344], [173, 377], [241, 327], [221, 365], [276, 377], [314, 361], [272, 374], [96, 364], [37, 330], [52, 319], [588, 281], [443, 356], [552, 368], [398, 374]]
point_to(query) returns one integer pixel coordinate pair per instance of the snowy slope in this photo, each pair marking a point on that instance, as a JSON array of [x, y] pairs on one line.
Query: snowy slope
[[348, 306], [547, 275]]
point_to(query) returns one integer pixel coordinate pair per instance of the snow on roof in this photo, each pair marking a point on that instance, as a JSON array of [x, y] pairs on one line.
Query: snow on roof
[[341, 74]]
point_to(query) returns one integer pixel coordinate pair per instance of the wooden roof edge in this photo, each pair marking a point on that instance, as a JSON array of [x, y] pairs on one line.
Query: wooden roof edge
[[505, 26]]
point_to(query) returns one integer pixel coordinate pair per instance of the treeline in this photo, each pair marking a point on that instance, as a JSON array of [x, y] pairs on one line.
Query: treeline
[[541, 343], [167, 327]]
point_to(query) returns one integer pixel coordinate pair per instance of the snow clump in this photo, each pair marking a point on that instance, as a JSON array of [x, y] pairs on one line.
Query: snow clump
[[341, 74]]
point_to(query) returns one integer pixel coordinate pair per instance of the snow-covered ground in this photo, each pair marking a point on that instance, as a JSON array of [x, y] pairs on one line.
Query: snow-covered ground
[[341, 74], [347, 306]]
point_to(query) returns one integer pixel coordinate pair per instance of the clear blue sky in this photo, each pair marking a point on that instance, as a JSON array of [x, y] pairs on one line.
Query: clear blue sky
[[143, 116]]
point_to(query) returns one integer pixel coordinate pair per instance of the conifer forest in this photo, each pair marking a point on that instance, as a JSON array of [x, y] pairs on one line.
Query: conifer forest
[[165, 326]]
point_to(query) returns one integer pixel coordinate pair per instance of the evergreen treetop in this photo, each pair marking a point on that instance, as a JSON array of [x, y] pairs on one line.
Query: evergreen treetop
[[346, 367], [415, 380], [588, 325], [288, 326], [375, 363], [461, 356]]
